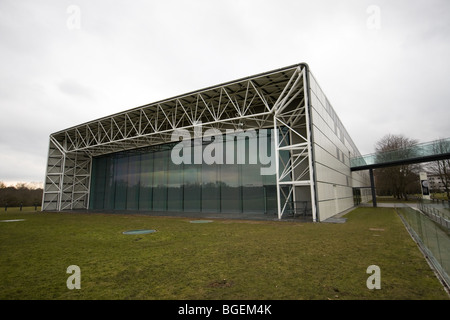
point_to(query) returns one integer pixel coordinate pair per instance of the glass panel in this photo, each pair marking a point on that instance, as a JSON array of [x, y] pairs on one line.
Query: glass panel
[[174, 186], [161, 159], [193, 180], [431, 233], [210, 188], [252, 187], [146, 182], [230, 185], [269, 180], [270, 194], [192, 187], [134, 167], [231, 199], [121, 180], [98, 183], [110, 186], [147, 179], [252, 191]]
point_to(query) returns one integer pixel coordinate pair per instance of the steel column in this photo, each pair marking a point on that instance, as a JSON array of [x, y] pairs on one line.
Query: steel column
[[372, 187], [277, 165]]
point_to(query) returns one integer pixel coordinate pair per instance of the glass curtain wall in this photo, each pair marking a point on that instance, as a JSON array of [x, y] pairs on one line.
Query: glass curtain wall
[[147, 179]]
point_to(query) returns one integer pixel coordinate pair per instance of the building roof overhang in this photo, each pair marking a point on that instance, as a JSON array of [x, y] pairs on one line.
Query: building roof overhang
[[252, 100]]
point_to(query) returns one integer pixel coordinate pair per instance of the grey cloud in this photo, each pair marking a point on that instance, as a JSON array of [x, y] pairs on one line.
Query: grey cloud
[[127, 55], [75, 89]]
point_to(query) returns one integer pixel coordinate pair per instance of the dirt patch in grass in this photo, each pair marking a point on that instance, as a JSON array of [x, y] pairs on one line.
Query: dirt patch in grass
[[221, 284], [376, 229]]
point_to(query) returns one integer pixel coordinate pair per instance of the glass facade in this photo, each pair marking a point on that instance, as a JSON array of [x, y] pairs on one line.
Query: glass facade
[[147, 179]]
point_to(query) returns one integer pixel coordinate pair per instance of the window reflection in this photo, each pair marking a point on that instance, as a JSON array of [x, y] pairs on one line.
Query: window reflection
[[147, 180]]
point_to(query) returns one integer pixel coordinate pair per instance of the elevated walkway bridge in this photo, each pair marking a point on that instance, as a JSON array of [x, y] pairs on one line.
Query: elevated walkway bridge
[[418, 153]]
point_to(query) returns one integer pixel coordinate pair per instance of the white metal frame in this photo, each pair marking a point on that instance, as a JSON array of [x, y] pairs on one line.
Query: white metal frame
[[273, 99]]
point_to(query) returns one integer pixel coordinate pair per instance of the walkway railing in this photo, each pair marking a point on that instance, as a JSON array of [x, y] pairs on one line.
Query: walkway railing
[[438, 211], [422, 152], [432, 238]]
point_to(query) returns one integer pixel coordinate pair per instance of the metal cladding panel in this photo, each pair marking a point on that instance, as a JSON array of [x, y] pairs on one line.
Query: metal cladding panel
[[333, 148], [329, 191], [335, 206]]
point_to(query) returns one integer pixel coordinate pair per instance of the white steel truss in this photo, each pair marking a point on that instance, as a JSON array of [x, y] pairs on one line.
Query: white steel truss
[[276, 99]]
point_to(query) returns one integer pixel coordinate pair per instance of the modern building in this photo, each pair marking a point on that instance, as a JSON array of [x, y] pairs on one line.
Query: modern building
[[436, 183], [268, 145]]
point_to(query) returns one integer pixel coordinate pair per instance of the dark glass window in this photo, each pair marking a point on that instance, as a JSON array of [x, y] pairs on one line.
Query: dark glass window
[[146, 179], [121, 182], [174, 186], [110, 185], [98, 175], [134, 175], [210, 188], [160, 174], [146, 182]]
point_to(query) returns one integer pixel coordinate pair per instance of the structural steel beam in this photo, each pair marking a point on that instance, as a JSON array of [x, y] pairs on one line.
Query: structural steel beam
[[276, 99]]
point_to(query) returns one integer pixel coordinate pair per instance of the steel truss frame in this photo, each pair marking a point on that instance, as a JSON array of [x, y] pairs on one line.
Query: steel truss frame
[[274, 99]]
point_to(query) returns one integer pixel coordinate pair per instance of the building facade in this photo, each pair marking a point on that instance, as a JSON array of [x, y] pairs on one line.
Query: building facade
[[436, 183], [268, 145]]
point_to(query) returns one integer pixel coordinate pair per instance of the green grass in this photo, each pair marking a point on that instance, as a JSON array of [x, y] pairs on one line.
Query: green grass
[[440, 196], [225, 259]]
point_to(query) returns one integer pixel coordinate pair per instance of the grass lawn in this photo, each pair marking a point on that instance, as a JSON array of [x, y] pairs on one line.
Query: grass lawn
[[225, 259], [382, 199]]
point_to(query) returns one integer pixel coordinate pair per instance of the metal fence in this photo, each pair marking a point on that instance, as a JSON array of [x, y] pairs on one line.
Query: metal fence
[[432, 237], [437, 210]]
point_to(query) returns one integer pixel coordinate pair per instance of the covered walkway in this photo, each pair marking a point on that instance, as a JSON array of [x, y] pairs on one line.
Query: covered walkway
[[419, 153]]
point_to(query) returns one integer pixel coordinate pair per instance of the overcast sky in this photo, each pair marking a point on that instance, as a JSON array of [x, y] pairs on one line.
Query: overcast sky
[[384, 65]]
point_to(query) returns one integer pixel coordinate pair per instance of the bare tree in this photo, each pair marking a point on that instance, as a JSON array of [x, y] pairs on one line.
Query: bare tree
[[22, 194], [397, 180], [441, 168]]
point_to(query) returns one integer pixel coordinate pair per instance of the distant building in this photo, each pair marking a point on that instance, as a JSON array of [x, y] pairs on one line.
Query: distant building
[[436, 183], [268, 145]]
